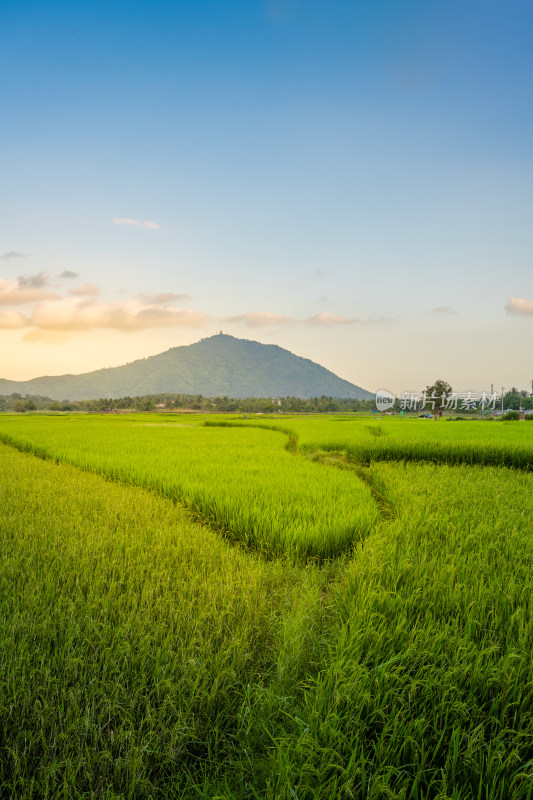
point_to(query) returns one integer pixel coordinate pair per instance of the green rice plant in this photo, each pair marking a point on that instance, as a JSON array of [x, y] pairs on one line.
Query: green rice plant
[[129, 637], [241, 482], [393, 438], [141, 655], [426, 687]]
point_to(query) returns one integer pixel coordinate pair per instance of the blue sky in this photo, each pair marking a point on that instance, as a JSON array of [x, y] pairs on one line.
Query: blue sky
[[350, 180]]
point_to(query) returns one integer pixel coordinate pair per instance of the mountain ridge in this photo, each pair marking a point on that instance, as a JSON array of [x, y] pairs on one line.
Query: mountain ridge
[[219, 365]]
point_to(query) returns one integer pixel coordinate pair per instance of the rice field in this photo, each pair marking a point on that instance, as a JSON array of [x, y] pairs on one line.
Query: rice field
[[248, 486], [191, 611], [366, 439]]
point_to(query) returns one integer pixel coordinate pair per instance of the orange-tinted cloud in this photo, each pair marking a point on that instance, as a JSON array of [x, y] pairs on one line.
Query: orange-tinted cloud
[[325, 318], [87, 290], [164, 297], [71, 314], [260, 319], [517, 305], [12, 319], [15, 293]]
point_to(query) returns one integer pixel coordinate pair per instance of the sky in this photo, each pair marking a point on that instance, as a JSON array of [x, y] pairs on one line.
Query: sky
[[350, 180]]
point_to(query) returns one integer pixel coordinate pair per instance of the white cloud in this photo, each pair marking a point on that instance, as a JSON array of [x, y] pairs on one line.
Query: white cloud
[[137, 223], [38, 281], [12, 254], [443, 310], [517, 305], [326, 319], [260, 319]]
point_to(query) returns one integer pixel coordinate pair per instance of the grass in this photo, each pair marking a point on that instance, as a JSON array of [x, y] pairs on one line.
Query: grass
[[144, 655]]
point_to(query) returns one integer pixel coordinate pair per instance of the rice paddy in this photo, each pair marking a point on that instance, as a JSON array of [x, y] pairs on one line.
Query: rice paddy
[[241, 483], [223, 612]]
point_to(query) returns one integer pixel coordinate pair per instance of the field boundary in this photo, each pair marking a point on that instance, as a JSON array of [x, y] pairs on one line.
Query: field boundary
[[425, 452], [206, 511]]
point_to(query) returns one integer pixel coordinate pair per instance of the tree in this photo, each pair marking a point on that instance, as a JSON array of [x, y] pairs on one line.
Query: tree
[[440, 390], [24, 405], [511, 399]]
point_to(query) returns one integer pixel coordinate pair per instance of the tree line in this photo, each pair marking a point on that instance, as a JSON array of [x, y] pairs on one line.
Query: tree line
[[512, 399], [185, 402]]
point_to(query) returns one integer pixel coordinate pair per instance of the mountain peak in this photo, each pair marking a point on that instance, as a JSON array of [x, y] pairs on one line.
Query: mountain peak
[[219, 365]]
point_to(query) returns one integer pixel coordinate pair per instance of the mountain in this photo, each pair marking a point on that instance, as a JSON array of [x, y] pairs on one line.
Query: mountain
[[218, 366]]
